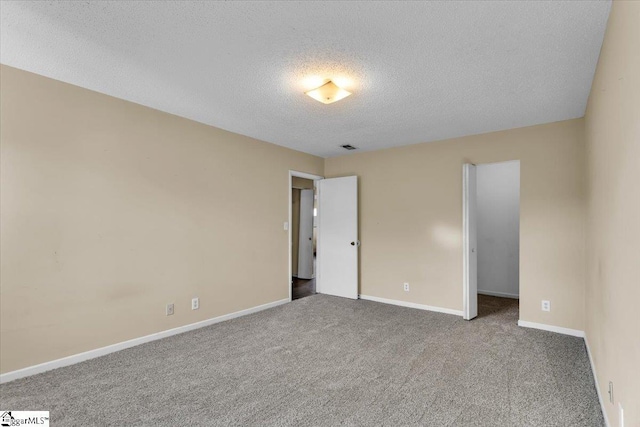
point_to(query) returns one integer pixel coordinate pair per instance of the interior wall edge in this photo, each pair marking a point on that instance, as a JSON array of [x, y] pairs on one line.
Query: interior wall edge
[[595, 379]]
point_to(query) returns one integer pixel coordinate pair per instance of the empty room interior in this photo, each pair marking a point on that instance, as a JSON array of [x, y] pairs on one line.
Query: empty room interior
[[320, 213]]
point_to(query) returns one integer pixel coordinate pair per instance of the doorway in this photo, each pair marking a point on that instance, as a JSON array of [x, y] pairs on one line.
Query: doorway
[[304, 209], [333, 238], [491, 203]]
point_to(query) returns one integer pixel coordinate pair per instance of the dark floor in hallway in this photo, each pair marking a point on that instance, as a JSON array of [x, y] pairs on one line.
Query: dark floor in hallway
[[302, 287]]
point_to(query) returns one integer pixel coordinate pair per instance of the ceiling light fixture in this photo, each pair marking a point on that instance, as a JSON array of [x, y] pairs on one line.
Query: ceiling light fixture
[[328, 93]]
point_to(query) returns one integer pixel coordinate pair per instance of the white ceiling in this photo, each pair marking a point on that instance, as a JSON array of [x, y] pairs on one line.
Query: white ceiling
[[419, 71]]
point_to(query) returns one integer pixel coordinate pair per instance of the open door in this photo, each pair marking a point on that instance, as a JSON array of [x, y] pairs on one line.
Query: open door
[[470, 255], [305, 241], [338, 237]]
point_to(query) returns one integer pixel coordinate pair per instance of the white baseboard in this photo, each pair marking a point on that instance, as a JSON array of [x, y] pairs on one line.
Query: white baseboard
[[92, 354], [551, 328], [499, 294], [411, 305], [595, 378]]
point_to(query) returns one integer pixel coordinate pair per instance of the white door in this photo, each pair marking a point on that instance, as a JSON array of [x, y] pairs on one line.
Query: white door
[[338, 237], [305, 242], [470, 255]]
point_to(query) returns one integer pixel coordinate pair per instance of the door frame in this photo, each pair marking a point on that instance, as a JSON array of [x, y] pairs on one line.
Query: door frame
[[315, 178], [465, 244], [465, 233]]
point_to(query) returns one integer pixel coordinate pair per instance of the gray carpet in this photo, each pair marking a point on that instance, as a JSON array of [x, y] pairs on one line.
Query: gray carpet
[[330, 361]]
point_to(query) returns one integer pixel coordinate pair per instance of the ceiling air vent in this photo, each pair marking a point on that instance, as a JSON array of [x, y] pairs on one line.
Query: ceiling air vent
[[349, 147]]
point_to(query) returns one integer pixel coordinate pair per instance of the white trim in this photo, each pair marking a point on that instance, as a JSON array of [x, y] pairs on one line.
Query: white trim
[[305, 175], [551, 328], [466, 309], [92, 354], [498, 294], [595, 379], [500, 162], [411, 305]]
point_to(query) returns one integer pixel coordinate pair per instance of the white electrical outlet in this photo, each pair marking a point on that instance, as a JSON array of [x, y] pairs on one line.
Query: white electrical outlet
[[406, 287], [169, 309], [285, 226], [546, 305], [195, 303]]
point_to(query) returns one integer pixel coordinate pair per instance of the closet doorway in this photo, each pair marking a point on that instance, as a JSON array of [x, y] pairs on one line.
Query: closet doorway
[[491, 224]]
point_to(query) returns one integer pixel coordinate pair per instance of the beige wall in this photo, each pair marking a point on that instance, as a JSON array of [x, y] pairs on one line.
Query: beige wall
[[411, 218], [110, 210], [613, 225]]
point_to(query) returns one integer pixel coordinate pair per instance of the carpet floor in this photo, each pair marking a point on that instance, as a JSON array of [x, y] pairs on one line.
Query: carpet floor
[[329, 361]]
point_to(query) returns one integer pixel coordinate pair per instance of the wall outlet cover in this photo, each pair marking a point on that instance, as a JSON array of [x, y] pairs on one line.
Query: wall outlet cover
[[406, 287], [169, 309], [546, 305], [195, 303]]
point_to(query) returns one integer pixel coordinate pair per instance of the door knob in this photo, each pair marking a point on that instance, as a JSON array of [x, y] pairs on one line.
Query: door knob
[[353, 243]]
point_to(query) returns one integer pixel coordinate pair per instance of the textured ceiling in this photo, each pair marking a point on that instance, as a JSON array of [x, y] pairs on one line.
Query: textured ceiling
[[419, 71]]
